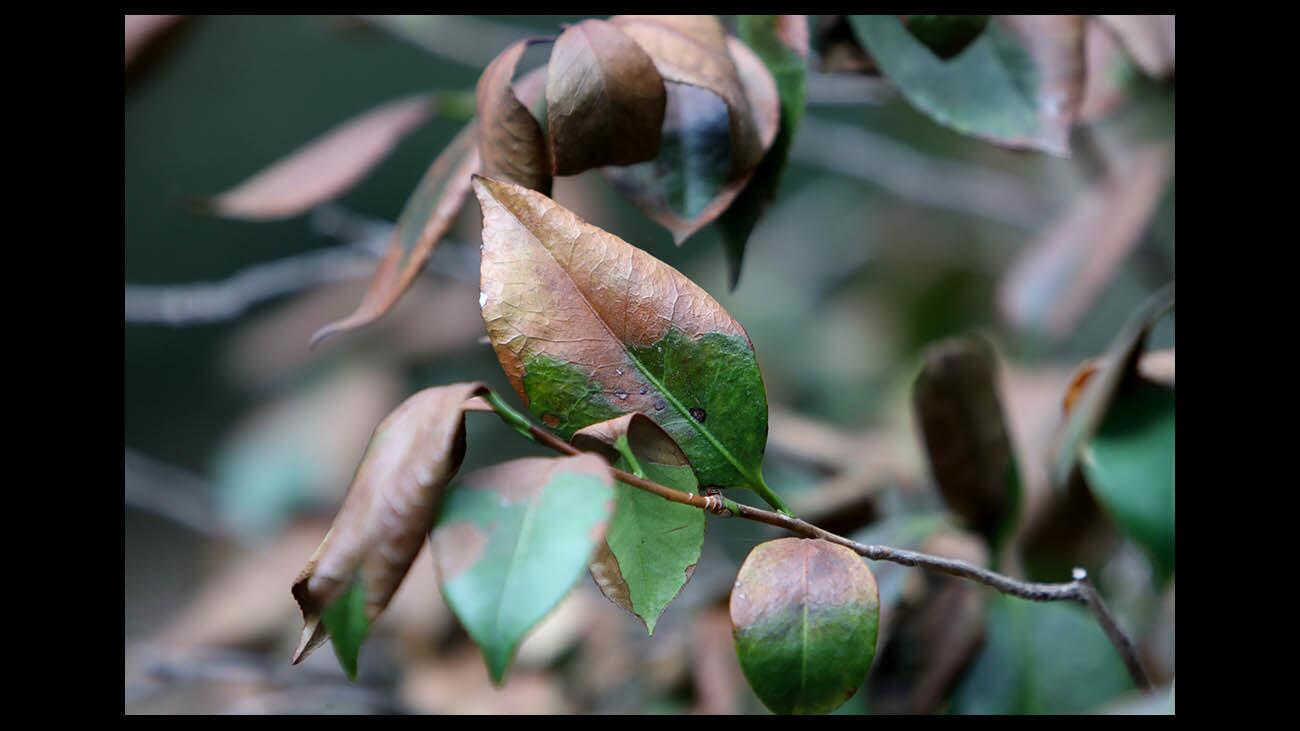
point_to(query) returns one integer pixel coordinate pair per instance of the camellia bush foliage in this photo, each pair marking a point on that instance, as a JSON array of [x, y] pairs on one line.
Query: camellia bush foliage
[[650, 391]]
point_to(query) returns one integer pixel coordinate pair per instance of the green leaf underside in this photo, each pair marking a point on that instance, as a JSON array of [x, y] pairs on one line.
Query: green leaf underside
[[789, 72], [655, 541], [715, 374], [345, 620], [535, 551], [1040, 657], [1129, 464], [989, 89]]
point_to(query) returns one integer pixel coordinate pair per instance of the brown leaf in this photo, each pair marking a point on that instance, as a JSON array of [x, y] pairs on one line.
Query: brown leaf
[[428, 215], [1149, 39], [325, 167], [1056, 278], [510, 142], [1055, 42], [140, 29], [604, 99], [390, 507], [793, 32], [1104, 88]]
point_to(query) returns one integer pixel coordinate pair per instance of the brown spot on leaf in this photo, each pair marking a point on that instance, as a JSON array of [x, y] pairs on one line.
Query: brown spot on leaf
[[457, 547]]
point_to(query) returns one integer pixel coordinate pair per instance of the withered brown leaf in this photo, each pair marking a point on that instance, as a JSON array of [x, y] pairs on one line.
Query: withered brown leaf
[[511, 142]]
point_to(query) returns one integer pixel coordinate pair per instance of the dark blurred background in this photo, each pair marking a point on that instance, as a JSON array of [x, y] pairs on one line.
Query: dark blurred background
[[888, 234]]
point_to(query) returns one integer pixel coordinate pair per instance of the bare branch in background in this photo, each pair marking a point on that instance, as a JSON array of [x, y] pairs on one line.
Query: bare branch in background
[[172, 493], [858, 153]]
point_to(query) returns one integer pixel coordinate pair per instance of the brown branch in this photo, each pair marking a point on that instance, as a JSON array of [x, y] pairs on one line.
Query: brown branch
[[1079, 590]]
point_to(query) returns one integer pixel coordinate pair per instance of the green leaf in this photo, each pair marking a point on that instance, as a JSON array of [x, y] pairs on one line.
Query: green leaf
[[1041, 657], [1129, 464], [513, 539], [769, 37], [805, 614], [346, 622]]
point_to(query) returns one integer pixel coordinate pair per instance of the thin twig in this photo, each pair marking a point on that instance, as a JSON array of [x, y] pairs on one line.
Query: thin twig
[[1079, 590]]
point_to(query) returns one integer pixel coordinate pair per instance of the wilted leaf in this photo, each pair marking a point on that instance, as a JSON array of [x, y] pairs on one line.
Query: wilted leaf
[[1041, 657], [604, 99], [706, 155], [805, 615], [326, 167], [781, 41], [588, 327], [1018, 84], [510, 141], [1129, 464], [652, 544], [1109, 72], [425, 219], [140, 29], [957, 407], [379, 530], [1149, 39], [1057, 277], [513, 539]]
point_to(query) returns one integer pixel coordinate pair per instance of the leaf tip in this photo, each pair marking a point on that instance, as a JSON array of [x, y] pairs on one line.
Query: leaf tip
[[313, 634]]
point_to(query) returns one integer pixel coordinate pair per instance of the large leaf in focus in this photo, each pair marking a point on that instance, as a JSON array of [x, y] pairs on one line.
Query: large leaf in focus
[[652, 544], [1041, 657], [1019, 84], [957, 407], [604, 99], [781, 41], [513, 539], [1129, 465], [722, 116], [389, 509], [510, 140], [805, 615], [327, 166], [588, 327]]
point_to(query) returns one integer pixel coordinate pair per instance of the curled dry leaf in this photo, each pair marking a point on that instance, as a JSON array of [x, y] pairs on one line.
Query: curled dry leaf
[[652, 545], [325, 167], [588, 327], [1149, 39], [604, 99], [963, 427], [513, 539], [510, 142], [389, 509], [805, 615]]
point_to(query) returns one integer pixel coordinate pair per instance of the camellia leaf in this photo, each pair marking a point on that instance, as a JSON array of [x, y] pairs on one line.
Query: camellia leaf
[[652, 544], [1129, 465], [510, 140], [722, 116], [955, 399], [588, 327], [513, 539], [389, 509], [805, 615], [1018, 84], [604, 99], [781, 41], [326, 167]]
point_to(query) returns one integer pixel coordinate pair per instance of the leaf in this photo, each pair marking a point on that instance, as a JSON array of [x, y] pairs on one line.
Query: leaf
[[425, 219], [698, 174], [652, 544], [1057, 277], [513, 539], [804, 615], [1040, 657], [379, 530], [781, 41], [1018, 84], [588, 327], [326, 167], [1092, 403], [1129, 464], [1149, 39], [604, 99], [955, 399], [510, 141]]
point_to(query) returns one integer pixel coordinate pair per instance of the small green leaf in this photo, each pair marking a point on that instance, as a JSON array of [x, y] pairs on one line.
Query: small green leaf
[[1041, 657], [346, 622], [513, 539], [1129, 464], [805, 615]]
